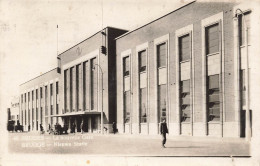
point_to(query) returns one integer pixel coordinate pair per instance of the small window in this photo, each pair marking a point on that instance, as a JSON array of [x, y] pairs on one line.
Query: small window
[[126, 64], [41, 92], [57, 87], [51, 86], [161, 54], [184, 47], [212, 39], [142, 61]]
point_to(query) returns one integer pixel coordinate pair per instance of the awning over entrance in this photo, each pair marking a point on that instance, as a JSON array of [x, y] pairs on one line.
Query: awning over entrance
[[77, 113]]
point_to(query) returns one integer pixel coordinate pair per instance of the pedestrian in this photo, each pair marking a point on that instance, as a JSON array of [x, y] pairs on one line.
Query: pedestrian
[[163, 131], [81, 127], [114, 127], [29, 127], [41, 128]]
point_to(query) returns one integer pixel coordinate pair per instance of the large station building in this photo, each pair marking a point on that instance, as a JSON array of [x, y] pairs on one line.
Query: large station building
[[192, 67]]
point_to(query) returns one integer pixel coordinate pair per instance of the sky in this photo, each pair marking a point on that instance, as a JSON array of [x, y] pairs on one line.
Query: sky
[[28, 32]]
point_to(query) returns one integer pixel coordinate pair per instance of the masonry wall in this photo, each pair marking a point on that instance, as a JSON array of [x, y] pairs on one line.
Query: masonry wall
[[187, 15]]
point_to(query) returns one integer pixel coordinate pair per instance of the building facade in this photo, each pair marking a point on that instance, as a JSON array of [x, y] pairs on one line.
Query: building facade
[[89, 81], [192, 67], [80, 90], [188, 67], [40, 101]]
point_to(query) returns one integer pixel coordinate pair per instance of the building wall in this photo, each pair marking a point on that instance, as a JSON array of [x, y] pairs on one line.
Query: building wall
[[30, 86], [164, 29], [87, 50]]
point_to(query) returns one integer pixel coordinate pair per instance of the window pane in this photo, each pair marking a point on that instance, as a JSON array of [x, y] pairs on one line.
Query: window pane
[[214, 81], [184, 47], [213, 98], [242, 30], [142, 105], [212, 39], [127, 106], [93, 85], [142, 61], [126, 67], [161, 55], [162, 101]]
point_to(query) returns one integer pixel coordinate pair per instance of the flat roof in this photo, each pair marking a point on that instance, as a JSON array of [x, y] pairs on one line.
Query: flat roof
[[39, 76], [155, 20]]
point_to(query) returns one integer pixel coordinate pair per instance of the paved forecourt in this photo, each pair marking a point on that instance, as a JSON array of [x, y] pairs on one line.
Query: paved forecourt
[[126, 145]]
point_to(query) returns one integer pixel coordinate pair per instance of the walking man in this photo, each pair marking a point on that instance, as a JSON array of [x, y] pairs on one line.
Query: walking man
[[163, 130]]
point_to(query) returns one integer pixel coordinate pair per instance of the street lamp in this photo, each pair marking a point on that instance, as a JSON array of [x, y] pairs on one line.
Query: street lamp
[[102, 122], [248, 132]]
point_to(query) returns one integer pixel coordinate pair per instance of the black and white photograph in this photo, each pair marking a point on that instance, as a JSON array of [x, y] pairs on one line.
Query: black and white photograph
[[128, 82]]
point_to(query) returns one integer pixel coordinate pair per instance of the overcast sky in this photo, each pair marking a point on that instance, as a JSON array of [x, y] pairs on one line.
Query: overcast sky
[[29, 38]]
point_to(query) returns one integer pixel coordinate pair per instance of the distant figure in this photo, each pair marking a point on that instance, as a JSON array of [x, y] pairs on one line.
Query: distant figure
[[81, 127], [29, 127], [41, 129], [114, 127], [49, 127], [163, 130], [73, 126]]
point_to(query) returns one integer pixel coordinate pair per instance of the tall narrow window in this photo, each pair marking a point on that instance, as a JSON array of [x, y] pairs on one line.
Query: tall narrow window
[[142, 105], [161, 53], [85, 83], [162, 102], [185, 100], [127, 106], [184, 48], [57, 97], [142, 85], [71, 88], [212, 39], [36, 94], [77, 87], [213, 98], [93, 81], [46, 100], [126, 66]]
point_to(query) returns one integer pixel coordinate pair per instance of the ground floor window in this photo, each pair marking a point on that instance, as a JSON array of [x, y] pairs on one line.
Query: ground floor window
[[213, 98], [127, 106], [185, 100], [142, 105]]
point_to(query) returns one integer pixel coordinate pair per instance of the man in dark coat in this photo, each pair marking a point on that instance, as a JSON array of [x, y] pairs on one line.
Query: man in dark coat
[[114, 127], [163, 131]]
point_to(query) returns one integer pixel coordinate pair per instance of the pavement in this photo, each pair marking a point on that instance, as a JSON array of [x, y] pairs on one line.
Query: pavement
[[126, 145]]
